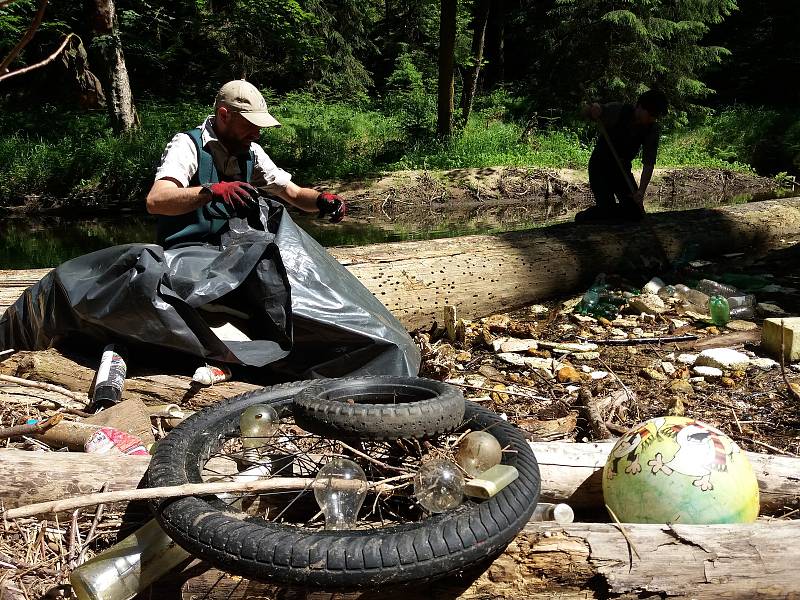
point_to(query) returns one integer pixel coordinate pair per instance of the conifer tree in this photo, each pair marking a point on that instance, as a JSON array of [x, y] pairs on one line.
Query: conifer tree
[[617, 48]]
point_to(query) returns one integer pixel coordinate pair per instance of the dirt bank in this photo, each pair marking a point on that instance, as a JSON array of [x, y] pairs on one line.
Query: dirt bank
[[533, 194]]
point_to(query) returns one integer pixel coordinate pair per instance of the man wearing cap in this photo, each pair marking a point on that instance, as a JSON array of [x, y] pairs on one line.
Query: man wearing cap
[[213, 171]]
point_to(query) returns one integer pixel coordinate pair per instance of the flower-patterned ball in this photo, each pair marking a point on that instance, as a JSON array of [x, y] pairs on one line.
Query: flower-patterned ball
[[678, 470]]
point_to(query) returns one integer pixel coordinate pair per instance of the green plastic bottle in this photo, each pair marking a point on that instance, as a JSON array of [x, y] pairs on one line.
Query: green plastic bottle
[[719, 309]]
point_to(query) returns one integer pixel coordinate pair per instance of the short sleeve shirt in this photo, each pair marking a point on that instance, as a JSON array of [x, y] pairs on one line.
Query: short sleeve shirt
[[179, 161]]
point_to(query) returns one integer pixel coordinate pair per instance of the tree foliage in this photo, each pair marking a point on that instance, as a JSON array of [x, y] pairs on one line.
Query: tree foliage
[[610, 49]]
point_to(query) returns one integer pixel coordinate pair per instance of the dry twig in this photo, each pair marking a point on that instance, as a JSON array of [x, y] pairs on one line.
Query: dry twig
[[276, 484], [623, 531], [28, 429], [82, 398]]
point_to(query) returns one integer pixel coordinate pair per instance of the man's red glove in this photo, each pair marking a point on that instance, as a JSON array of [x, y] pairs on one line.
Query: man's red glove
[[333, 205], [234, 193]]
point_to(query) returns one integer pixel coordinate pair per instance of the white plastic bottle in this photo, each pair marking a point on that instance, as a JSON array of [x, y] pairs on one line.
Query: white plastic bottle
[[560, 513]]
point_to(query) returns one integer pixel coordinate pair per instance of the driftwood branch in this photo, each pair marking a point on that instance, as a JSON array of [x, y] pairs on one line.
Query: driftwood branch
[[53, 367], [78, 397], [664, 339], [570, 472], [274, 485], [415, 279], [29, 429], [581, 561]]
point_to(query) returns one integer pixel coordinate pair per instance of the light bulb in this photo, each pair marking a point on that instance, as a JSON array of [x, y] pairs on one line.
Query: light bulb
[[256, 424], [439, 486], [340, 488], [478, 452]]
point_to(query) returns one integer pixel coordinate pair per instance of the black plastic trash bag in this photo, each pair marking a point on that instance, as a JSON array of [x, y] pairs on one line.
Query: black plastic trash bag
[[269, 296]]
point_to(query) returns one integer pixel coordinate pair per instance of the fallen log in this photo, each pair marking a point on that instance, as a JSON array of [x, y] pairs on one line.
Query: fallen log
[[30, 477], [570, 472], [582, 561], [482, 275], [53, 367]]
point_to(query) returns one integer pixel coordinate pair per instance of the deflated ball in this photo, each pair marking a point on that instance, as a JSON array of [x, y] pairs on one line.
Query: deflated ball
[[678, 470]]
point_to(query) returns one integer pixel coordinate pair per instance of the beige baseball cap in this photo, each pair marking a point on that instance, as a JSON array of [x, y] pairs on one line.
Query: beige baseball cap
[[244, 98]]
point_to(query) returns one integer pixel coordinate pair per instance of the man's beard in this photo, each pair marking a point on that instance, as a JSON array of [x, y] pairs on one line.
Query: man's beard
[[234, 146]]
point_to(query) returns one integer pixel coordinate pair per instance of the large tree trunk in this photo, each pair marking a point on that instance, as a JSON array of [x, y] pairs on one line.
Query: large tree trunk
[[570, 472], [479, 19], [447, 42], [580, 561], [52, 367], [103, 19], [485, 274], [495, 44]]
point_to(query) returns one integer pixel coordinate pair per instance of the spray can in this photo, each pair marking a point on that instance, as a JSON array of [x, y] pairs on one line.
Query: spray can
[[110, 379]]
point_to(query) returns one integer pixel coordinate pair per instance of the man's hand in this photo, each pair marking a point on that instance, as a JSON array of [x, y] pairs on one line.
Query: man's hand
[[333, 205], [234, 193]]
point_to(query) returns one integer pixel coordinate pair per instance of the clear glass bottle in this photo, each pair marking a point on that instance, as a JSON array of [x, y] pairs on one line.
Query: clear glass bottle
[[691, 299], [560, 513], [714, 288], [142, 558], [743, 312], [741, 301], [128, 567], [668, 291], [654, 286], [691, 296]]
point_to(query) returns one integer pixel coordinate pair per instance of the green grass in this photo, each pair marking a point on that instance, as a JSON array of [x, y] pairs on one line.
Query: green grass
[[75, 156]]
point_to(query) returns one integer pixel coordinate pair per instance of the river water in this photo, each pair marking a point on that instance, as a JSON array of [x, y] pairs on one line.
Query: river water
[[47, 241], [28, 243]]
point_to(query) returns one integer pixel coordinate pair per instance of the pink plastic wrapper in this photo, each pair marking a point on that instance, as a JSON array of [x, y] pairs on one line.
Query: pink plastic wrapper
[[107, 439]]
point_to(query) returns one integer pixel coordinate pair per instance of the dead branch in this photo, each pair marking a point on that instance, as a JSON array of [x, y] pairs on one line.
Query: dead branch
[[588, 406], [274, 485], [42, 63], [26, 37], [664, 339], [28, 429], [82, 398]]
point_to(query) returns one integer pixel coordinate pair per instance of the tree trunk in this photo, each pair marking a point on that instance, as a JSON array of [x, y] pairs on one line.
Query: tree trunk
[[447, 42], [570, 472], [121, 111], [483, 274], [495, 44], [479, 20], [52, 367], [579, 561]]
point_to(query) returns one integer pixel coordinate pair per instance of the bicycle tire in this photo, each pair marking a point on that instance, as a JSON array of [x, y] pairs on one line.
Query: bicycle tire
[[254, 548], [420, 408]]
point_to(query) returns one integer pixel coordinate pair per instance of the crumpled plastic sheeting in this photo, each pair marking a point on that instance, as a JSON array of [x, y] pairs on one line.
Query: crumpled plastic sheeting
[[305, 314]]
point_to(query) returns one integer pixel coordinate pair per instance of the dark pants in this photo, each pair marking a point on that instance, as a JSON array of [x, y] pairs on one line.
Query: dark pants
[[612, 193]]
